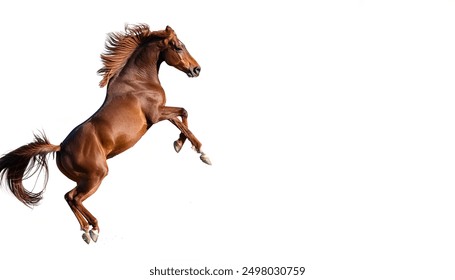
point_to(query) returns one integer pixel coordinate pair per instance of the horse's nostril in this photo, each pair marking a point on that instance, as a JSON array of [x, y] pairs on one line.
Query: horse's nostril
[[197, 70]]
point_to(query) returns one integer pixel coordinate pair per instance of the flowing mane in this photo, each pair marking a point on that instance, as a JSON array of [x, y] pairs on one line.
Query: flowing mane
[[120, 46]]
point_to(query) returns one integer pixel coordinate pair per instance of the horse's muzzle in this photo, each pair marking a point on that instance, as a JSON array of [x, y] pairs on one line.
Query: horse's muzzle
[[194, 72]]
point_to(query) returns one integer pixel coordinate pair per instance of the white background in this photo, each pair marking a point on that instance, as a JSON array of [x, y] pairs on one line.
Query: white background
[[330, 125]]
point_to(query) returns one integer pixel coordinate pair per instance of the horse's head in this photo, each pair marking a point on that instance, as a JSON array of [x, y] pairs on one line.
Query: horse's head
[[175, 54]]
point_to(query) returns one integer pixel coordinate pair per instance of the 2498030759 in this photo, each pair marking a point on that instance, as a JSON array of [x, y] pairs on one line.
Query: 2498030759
[[277, 270]]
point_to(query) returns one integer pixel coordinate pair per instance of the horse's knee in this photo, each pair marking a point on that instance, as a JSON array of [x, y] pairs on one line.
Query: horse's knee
[[184, 113], [69, 196]]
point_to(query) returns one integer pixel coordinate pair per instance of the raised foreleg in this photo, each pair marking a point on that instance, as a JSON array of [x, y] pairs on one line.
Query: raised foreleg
[[171, 114], [168, 113]]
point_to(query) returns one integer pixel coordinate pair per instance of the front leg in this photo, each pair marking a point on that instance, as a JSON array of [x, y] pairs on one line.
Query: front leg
[[168, 113], [196, 144], [171, 114]]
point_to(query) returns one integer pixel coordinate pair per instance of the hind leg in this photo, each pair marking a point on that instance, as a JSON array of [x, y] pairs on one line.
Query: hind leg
[[84, 190], [87, 184], [69, 197], [82, 159]]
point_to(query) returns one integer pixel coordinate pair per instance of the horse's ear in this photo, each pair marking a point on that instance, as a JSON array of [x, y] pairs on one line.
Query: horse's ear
[[169, 30], [169, 33], [165, 33], [161, 34]]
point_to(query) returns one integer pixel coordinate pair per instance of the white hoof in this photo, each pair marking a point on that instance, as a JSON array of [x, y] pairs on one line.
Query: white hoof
[[178, 145], [205, 159], [86, 238], [94, 235]]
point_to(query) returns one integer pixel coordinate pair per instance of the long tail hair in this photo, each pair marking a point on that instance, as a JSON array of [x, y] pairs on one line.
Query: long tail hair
[[22, 163]]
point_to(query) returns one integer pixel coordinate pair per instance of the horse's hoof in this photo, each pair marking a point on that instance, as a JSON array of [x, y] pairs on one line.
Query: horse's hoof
[[205, 159], [94, 235], [178, 145], [86, 238]]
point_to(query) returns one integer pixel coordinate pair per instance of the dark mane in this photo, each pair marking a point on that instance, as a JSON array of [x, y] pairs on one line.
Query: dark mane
[[120, 46]]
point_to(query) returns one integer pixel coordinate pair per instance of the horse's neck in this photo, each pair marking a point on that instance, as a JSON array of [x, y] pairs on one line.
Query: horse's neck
[[140, 71]]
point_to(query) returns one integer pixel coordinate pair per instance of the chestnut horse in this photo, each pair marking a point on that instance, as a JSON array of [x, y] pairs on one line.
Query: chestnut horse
[[134, 102]]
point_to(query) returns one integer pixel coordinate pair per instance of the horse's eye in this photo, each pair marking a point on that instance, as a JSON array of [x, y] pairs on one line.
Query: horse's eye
[[178, 49]]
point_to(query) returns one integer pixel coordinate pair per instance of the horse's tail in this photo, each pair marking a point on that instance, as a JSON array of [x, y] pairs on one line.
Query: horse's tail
[[22, 163]]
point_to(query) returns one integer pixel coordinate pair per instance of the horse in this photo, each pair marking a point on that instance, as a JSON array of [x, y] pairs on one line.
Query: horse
[[135, 100]]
